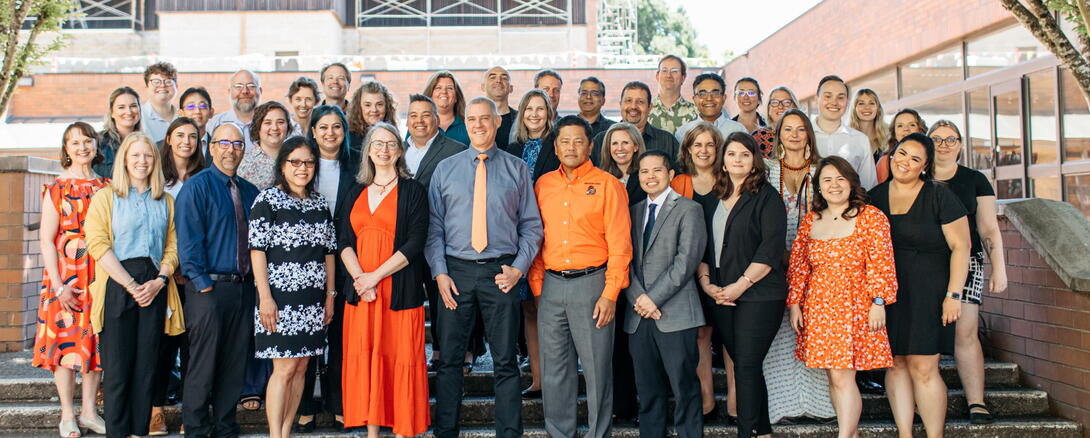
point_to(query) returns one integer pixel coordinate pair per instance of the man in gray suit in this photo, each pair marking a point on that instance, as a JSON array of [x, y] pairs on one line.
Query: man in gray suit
[[668, 239], [424, 149]]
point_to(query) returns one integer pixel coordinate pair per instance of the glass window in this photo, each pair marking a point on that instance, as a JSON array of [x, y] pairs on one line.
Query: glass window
[[1004, 48], [1047, 187], [1009, 189], [1042, 117], [933, 71], [885, 84], [980, 132], [1078, 192], [1076, 119], [1008, 128], [943, 108]]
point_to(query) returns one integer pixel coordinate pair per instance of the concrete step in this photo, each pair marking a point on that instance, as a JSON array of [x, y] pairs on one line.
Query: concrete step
[[479, 411], [998, 375], [955, 428]]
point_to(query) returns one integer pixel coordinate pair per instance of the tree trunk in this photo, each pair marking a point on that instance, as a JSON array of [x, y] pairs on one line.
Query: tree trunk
[[10, 74], [1044, 27]]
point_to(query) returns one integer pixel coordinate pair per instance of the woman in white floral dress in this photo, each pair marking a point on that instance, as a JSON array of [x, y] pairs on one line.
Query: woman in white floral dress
[[291, 245]]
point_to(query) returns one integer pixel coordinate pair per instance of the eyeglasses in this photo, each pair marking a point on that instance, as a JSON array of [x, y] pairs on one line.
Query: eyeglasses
[[785, 103], [950, 141], [705, 93], [192, 107], [300, 163], [591, 93], [228, 144], [239, 87], [384, 145], [669, 70], [746, 93], [161, 82]]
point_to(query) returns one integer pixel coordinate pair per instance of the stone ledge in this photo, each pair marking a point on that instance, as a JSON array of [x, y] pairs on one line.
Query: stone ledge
[[1060, 234], [28, 164]]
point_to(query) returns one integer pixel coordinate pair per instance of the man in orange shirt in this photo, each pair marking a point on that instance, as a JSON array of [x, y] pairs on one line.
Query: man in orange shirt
[[587, 249]]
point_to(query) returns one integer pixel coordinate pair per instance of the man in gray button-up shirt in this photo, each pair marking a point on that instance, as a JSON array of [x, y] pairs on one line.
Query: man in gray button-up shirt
[[472, 282]]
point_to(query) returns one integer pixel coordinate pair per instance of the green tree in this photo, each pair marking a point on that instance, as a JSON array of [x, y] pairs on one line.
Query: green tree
[[1039, 17], [20, 49], [660, 30]]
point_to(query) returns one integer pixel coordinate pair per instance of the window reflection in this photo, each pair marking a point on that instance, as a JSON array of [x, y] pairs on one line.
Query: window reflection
[[885, 84], [1047, 187], [1042, 120], [979, 133], [1076, 119], [1004, 48], [1078, 192], [1009, 189], [1008, 128], [944, 67]]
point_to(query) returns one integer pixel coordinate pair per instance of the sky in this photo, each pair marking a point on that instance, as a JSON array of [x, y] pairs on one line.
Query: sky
[[738, 25]]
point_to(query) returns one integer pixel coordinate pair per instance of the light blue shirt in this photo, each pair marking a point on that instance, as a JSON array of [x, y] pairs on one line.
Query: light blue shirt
[[139, 226]]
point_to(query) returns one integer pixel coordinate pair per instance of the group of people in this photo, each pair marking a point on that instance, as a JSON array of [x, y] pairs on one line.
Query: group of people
[[628, 252]]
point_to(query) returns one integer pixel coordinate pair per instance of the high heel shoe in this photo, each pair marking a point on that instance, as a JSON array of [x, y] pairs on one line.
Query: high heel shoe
[[95, 424]]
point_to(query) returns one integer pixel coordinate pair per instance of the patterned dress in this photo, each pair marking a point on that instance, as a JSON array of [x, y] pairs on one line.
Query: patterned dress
[[296, 235], [257, 168], [835, 280], [65, 338], [793, 389]]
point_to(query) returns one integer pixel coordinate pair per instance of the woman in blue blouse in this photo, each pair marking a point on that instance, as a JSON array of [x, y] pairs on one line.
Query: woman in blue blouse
[[444, 89], [130, 234]]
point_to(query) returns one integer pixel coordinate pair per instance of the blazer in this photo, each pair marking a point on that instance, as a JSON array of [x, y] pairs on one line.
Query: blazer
[[441, 148], [410, 233], [547, 161], [664, 270], [756, 232]]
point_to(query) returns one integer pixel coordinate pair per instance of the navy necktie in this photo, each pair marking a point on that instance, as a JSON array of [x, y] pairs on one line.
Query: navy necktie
[[242, 256], [650, 226]]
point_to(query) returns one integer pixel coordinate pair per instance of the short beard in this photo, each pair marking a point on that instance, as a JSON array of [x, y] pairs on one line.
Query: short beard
[[244, 107]]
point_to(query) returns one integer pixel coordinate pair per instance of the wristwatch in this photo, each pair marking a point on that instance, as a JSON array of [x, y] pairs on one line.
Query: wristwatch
[[166, 280], [954, 295], [331, 293], [879, 301]]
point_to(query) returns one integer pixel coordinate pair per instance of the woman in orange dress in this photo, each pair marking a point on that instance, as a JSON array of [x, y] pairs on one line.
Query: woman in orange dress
[[841, 278], [65, 342], [382, 237]]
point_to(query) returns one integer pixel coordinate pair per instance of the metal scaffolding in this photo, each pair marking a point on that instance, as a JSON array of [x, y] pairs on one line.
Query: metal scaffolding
[[617, 27], [460, 12]]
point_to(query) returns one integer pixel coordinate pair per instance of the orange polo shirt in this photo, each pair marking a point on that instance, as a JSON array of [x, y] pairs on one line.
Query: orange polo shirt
[[586, 223]]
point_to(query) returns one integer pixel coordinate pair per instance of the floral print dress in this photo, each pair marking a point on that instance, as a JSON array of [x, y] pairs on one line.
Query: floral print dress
[[296, 235], [834, 281]]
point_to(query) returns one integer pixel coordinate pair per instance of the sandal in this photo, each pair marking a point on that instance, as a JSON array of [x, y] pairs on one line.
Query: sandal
[[69, 428], [95, 424], [248, 402], [980, 417]]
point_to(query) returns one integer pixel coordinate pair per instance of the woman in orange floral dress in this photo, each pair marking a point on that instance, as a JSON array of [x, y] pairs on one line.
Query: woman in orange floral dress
[[65, 342], [841, 277]]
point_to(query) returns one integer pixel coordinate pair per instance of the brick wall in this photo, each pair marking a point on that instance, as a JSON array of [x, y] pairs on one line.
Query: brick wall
[[1043, 326], [831, 38], [20, 261], [84, 95]]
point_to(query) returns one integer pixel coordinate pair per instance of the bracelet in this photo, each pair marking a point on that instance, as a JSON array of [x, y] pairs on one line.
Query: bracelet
[[331, 293], [751, 282], [702, 276]]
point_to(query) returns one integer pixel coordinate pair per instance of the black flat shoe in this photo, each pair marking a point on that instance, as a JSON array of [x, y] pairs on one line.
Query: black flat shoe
[[711, 416], [980, 417], [868, 384], [531, 394], [467, 368], [304, 428]]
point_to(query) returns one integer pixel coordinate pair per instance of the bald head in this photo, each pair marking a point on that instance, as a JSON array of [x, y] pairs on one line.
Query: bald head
[[497, 85], [226, 147]]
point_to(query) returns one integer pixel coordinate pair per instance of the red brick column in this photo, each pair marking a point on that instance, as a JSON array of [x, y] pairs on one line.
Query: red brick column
[[1043, 326], [21, 182]]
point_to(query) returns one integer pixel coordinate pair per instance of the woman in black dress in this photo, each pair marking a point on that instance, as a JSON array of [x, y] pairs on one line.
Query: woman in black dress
[[930, 236], [743, 272], [291, 243]]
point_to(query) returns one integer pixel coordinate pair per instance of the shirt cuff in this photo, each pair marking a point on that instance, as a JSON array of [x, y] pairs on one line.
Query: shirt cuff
[[202, 282], [611, 292]]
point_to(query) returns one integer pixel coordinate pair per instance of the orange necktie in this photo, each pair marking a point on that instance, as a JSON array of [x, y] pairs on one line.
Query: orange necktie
[[479, 235]]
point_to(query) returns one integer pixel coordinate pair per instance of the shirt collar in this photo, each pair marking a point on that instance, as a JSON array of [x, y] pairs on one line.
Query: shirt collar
[[220, 176], [151, 113], [431, 140], [842, 129], [662, 197], [490, 153], [580, 171], [680, 102]]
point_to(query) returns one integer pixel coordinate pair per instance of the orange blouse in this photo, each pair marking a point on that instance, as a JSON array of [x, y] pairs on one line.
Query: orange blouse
[[586, 223], [834, 281], [683, 185]]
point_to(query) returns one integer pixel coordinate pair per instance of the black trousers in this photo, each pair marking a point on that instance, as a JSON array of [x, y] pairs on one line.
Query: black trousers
[[667, 360], [325, 372], [220, 324], [129, 343], [170, 347], [747, 330], [624, 378], [502, 313], [476, 339]]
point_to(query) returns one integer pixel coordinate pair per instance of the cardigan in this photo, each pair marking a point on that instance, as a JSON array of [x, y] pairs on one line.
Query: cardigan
[[100, 239], [410, 233], [756, 232]]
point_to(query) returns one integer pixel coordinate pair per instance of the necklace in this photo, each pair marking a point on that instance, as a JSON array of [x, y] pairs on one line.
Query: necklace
[[384, 186], [804, 166]]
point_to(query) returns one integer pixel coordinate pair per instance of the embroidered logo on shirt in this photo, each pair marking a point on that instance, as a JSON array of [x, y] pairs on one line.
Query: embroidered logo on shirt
[[591, 190]]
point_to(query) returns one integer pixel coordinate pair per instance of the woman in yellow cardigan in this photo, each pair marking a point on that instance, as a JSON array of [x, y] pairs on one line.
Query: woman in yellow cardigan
[[130, 234]]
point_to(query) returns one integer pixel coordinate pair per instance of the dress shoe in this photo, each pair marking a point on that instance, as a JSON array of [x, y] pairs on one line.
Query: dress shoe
[[868, 383], [531, 394], [157, 426], [304, 427]]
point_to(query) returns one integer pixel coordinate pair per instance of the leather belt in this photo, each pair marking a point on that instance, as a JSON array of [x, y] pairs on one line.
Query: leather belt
[[576, 273], [230, 278]]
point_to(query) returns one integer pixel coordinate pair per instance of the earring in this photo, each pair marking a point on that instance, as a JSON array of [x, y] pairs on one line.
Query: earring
[[806, 155]]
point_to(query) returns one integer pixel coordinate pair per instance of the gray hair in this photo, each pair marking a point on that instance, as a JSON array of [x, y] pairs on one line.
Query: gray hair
[[484, 100], [768, 109], [257, 79], [366, 174]]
